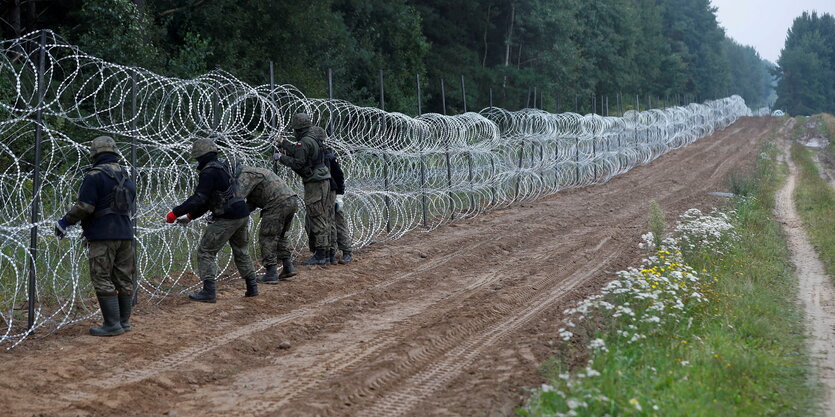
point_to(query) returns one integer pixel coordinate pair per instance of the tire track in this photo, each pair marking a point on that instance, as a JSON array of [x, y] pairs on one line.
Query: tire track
[[387, 330], [438, 374], [183, 357]]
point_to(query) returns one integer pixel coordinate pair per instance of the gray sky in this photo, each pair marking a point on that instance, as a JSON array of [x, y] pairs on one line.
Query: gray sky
[[763, 23]]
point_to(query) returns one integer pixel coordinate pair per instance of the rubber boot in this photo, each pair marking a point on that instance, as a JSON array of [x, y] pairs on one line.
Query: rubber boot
[[319, 258], [110, 313], [271, 277], [346, 258], [332, 256], [207, 294], [251, 288], [125, 308], [287, 269]]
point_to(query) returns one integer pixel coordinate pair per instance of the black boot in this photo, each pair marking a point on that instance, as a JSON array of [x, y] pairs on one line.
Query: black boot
[[110, 313], [207, 294], [346, 258], [251, 288], [125, 308], [271, 277], [332, 256], [319, 258], [287, 269]]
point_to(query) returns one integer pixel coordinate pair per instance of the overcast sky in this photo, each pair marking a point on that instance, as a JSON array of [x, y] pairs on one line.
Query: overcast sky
[[763, 23]]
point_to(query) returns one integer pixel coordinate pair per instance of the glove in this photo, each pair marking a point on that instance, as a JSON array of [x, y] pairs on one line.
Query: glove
[[339, 202], [170, 217], [277, 155], [184, 220], [61, 228]]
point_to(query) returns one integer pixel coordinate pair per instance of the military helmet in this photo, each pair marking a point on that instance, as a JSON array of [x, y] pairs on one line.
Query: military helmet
[[202, 147], [301, 121], [101, 145]]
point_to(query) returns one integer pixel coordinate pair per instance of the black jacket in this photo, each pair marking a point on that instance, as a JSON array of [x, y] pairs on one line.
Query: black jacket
[[337, 176], [210, 181], [95, 191]]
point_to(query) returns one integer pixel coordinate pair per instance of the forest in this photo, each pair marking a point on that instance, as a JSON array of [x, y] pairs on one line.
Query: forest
[[807, 66], [559, 55]]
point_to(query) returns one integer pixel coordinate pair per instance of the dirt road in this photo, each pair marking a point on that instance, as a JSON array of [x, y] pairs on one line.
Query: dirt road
[[815, 286], [453, 322]]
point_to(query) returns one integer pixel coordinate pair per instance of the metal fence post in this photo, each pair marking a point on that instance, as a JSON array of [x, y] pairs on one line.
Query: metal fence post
[[330, 102], [577, 160], [36, 184], [446, 152], [422, 161], [469, 155], [134, 178], [274, 121], [385, 155]]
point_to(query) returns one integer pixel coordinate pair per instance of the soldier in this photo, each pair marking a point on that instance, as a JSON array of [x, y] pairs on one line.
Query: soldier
[[278, 203], [306, 157], [217, 191], [340, 235], [104, 207]]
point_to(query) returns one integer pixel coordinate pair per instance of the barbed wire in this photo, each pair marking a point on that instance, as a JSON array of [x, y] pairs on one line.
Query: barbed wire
[[403, 173]]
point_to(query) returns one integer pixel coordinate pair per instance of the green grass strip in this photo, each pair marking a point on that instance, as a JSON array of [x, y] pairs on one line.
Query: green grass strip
[[741, 353], [815, 202]]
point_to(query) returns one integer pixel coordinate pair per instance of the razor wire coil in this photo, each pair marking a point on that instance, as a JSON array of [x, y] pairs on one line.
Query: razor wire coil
[[403, 173]]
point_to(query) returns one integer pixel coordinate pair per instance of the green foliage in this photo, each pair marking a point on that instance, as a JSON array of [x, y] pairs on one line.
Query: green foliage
[[567, 50], [192, 57], [116, 31], [656, 223], [807, 66]]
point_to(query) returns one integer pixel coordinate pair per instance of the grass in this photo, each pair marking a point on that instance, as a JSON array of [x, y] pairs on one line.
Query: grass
[[740, 353], [815, 202]]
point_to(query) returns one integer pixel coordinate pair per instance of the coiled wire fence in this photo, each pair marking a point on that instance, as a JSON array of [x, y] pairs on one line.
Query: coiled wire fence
[[403, 173]]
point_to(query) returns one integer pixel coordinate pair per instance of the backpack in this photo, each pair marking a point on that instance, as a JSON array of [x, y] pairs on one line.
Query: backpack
[[222, 201], [119, 200]]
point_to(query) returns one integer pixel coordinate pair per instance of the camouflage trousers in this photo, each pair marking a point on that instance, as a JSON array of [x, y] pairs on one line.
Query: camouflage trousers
[[340, 234], [318, 204], [217, 233], [273, 233], [111, 266]]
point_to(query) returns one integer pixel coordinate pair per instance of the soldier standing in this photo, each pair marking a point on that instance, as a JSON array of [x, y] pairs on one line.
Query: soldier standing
[[104, 207], [263, 189], [306, 157], [340, 234], [217, 191]]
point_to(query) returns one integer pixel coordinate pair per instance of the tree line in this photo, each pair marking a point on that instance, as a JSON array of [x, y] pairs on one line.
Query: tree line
[[806, 71], [576, 55]]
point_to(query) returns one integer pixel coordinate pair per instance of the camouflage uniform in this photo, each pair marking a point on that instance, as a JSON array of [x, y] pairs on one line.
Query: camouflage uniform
[[278, 203], [217, 191], [340, 234], [306, 158], [111, 266], [217, 233], [103, 208]]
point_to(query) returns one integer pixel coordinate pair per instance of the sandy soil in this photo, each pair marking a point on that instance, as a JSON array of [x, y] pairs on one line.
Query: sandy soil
[[817, 294], [453, 322]]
